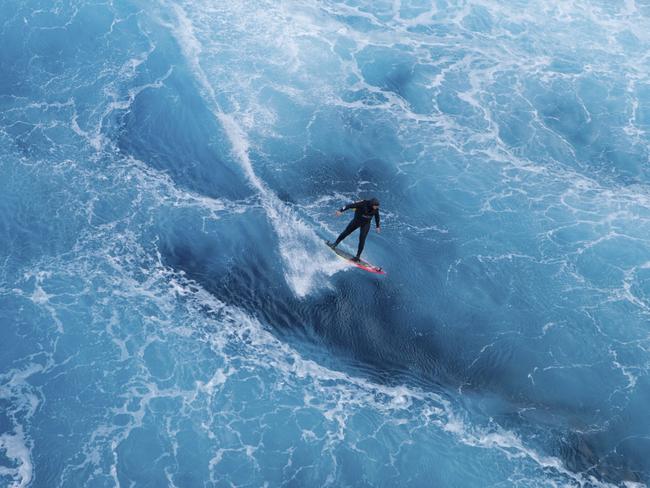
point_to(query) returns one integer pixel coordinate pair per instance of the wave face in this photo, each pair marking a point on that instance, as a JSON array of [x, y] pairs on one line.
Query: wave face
[[170, 316]]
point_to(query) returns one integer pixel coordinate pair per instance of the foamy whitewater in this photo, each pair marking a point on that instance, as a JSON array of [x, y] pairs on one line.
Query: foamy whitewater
[[171, 317]]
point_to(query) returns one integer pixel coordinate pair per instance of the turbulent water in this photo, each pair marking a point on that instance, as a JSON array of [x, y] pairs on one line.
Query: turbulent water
[[170, 316]]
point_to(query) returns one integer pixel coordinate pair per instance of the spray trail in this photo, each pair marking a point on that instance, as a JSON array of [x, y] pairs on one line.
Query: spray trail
[[304, 258]]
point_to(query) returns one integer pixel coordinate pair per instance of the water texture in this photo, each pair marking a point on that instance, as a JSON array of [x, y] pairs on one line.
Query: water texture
[[169, 315]]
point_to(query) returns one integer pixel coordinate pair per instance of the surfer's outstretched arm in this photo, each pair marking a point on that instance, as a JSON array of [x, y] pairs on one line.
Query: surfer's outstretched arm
[[350, 205]]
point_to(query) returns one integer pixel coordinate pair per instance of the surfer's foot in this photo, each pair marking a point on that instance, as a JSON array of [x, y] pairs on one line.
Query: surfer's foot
[[332, 244], [356, 259]]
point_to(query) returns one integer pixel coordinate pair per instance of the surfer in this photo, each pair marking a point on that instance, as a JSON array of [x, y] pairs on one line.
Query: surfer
[[364, 211]]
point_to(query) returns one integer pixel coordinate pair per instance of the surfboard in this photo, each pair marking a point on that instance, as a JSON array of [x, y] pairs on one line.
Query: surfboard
[[365, 265]]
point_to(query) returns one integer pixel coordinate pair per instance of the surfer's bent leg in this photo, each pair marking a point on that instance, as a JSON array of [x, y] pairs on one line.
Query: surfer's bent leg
[[362, 237], [352, 226]]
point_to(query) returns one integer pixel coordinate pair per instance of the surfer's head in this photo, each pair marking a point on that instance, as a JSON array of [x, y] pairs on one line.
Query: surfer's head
[[374, 202]]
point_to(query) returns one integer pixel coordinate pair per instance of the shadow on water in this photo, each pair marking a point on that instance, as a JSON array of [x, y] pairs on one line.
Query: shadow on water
[[358, 320], [363, 323]]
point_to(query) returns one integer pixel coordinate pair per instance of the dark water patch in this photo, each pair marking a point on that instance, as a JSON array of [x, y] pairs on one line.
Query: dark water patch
[[314, 171], [586, 115], [285, 196], [337, 162], [208, 257], [364, 324], [622, 443], [168, 124], [14, 56], [395, 70], [610, 462], [173, 130], [361, 319], [377, 327], [379, 173], [642, 113]]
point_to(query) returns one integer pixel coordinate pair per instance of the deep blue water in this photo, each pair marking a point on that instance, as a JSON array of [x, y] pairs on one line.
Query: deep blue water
[[170, 317]]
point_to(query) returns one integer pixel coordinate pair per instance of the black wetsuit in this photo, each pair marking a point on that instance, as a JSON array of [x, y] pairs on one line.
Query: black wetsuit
[[363, 214]]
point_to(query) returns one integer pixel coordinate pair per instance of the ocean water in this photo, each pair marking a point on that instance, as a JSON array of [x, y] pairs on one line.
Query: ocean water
[[169, 315]]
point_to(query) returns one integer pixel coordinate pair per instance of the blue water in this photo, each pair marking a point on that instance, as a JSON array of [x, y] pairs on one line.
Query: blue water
[[170, 317]]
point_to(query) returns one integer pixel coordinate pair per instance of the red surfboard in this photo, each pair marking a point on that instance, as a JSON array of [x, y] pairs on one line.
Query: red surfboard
[[365, 265]]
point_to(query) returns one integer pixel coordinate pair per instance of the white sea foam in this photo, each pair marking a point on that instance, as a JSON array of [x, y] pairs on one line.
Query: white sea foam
[[15, 444], [15, 447]]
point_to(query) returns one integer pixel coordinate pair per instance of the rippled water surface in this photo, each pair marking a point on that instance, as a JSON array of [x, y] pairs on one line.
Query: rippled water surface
[[169, 315]]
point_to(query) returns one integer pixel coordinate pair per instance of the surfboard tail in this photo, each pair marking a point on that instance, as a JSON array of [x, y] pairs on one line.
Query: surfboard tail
[[366, 266]]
